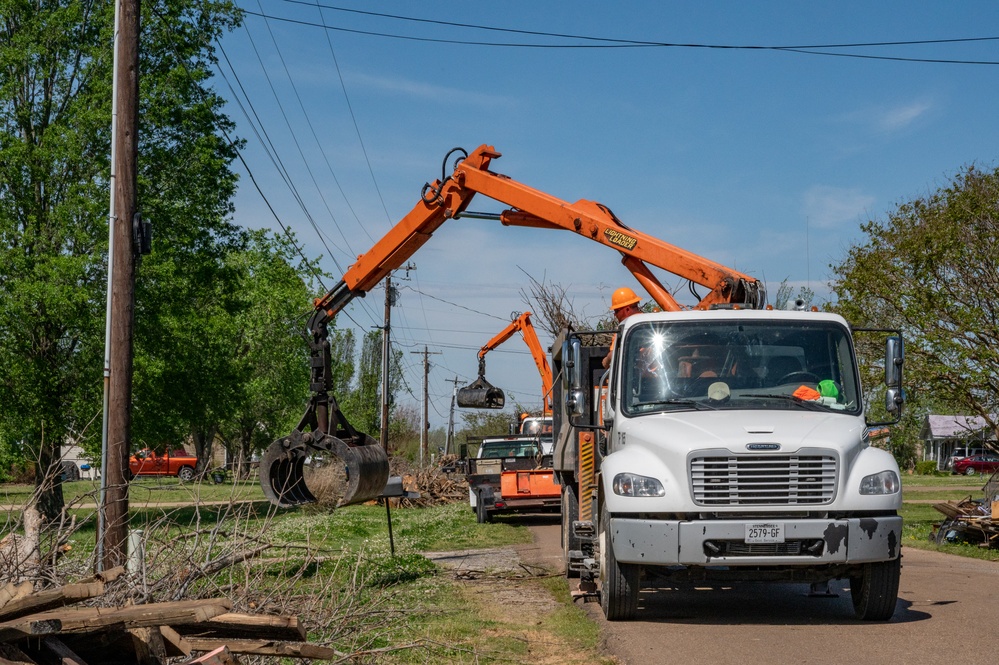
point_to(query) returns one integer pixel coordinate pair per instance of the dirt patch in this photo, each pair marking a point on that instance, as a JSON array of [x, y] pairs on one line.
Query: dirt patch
[[511, 594]]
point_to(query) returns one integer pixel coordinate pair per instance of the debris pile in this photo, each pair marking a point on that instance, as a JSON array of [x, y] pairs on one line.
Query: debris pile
[[433, 483], [970, 520], [45, 627]]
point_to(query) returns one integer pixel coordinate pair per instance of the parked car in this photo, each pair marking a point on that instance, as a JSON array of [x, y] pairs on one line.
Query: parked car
[[961, 453], [179, 462], [969, 466]]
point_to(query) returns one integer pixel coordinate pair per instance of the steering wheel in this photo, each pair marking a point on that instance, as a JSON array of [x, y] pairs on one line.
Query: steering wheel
[[798, 377]]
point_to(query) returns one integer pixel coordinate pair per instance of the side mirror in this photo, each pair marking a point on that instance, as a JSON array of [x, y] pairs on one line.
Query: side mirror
[[894, 398], [575, 398], [894, 357]]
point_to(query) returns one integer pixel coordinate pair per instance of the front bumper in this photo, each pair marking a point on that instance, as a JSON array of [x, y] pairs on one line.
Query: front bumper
[[807, 542]]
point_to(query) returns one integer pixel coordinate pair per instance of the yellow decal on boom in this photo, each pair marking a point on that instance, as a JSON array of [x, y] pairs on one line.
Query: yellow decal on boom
[[620, 239]]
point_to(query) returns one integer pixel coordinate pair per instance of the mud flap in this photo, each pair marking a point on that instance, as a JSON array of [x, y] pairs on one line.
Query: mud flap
[[363, 470]]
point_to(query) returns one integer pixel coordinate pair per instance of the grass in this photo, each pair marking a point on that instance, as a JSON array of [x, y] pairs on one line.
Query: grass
[[919, 519], [339, 563], [145, 490]]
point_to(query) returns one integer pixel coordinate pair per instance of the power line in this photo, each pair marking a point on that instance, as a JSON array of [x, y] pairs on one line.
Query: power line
[[612, 43]]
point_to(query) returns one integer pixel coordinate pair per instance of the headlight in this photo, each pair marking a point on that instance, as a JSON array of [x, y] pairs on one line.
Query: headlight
[[886, 482], [631, 484]]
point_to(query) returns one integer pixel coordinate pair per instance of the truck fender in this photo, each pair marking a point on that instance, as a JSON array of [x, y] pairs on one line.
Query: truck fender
[[486, 494]]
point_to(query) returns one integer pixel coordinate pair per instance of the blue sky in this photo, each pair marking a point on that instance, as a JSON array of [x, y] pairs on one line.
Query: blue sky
[[763, 160]]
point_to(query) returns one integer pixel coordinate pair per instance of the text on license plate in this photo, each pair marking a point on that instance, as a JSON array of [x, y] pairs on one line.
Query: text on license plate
[[765, 532]]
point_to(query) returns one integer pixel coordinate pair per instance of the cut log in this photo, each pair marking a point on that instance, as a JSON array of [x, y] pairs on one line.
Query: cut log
[[176, 613], [250, 626], [174, 642], [268, 648], [48, 599], [220, 656], [148, 644]]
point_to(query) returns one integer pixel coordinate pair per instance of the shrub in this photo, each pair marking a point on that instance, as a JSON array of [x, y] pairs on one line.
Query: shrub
[[926, 467]]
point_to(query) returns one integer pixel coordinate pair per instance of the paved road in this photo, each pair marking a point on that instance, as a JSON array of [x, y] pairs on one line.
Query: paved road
[[946, 614]]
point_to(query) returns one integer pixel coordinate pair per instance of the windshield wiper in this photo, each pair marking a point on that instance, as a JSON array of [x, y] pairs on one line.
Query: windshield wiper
[[677, 402], [805, 404]]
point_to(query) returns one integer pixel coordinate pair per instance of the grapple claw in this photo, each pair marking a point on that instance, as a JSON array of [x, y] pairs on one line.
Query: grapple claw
[[480, 394], [364, 468]]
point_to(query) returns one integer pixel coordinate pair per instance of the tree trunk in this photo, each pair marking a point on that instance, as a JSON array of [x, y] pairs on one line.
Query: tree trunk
[[48, 481], [203, 440]]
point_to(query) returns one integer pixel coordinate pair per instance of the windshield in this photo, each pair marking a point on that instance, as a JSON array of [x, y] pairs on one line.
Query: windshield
[[501, 449], [715, 364]]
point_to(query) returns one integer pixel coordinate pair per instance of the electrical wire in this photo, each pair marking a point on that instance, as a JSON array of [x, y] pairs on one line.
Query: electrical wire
[[612, 43]]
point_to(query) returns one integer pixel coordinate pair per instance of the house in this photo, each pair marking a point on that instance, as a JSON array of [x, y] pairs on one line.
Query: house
[[941, 435], [76, 455]]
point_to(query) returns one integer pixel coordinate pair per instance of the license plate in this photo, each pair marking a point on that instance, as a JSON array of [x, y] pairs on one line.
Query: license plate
[[765, 532]]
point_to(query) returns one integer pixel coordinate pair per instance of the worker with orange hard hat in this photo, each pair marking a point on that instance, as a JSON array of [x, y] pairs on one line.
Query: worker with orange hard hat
[[624, 303]]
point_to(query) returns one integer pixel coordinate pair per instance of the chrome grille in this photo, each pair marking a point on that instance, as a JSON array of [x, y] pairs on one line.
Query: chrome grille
[[741, 480]]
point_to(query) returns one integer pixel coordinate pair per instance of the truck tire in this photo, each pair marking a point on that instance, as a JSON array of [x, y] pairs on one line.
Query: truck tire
[[619, 582], [185, 473], [570, 513], [875, 590], [482, 515]]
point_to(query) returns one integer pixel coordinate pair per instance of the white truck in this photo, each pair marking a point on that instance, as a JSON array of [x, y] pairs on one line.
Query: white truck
[[726, 444]]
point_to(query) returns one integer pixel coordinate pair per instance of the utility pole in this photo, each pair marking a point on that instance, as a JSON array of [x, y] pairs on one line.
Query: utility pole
[[449, 440], [112, 541], [426, 401], [390, 295]]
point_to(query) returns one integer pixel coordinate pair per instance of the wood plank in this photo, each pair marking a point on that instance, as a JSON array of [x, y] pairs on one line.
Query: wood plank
[[250, 626], [176, 613], [20, 628], [268, 648], [220, 656], [64, 655], [148, 645], [48, 599], [175, 643], [13, 591]]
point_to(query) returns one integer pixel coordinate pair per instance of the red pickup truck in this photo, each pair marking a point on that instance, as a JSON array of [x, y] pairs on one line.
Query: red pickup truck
[[147, 462]]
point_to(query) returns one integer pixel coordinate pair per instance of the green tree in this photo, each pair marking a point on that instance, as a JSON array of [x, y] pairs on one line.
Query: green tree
[[932, 269], [269, 352], [55, 112], [484, 423]]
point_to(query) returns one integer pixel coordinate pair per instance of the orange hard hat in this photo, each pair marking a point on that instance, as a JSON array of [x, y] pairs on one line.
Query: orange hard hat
[[622, 298]]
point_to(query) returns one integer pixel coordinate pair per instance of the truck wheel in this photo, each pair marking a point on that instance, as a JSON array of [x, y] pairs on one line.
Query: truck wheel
[[618, 581], [875, 590], [482, 515], [570, 513], [185, 473]]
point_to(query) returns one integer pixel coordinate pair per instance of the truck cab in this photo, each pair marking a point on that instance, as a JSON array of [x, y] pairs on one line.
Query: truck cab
[[727, 444]]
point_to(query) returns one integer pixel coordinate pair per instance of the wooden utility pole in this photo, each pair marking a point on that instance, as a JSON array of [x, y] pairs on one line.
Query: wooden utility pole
[[122, 307], [426, 401], [449, 439], [389, 301]]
